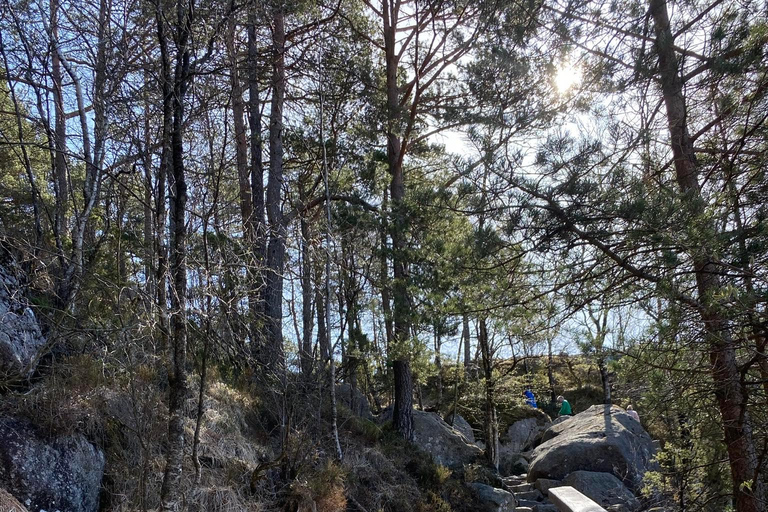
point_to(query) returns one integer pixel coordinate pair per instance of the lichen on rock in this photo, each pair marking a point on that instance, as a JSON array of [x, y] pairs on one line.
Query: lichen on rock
[[60, 473], [21, 338]]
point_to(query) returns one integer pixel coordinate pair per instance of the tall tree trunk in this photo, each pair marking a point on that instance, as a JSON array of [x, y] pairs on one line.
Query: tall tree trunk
[[307, 318], [349, 287], [438, 365], [386, 303], [204, 363], [729, 391], [456, 383], [245, 190], [258, 229], [327, 298], [322, 329], [465, 337], [274, 357], [491, 422], [402, 417], [551, 371], [177, 374], [60, 184], [241, 144], [149, 219], [605, 380], [161, 211], [342, 325]]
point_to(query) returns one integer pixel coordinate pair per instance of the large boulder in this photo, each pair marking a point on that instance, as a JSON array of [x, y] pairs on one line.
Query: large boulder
[[492, 499], [462, 426], [603, 488], [20, 336], [61, 473], [600, 439], [446, 445]]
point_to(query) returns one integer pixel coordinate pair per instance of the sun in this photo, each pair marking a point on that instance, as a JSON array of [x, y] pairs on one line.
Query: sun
[[566, 77]]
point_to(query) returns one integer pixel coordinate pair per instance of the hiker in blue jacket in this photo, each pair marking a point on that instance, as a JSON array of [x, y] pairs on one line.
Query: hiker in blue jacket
[[530, 398]]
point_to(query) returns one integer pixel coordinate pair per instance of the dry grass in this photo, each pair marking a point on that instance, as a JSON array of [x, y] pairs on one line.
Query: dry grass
[[125, 413], [10, 504], [224, 432], [322, 491], [379, 483], [220, 499]]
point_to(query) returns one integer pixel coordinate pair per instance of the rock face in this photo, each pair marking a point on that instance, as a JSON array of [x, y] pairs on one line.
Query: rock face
[[63, 473], [20, 335], [521, 435], [512, 464], [462, 426], [600, 439], [494, 500], [524, 434], [346, 396], [436, 437], [604, 488]]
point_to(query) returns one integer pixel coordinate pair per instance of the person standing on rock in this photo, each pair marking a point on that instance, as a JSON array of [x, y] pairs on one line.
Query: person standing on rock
[[530, 398], [633, 413], [565, 407]]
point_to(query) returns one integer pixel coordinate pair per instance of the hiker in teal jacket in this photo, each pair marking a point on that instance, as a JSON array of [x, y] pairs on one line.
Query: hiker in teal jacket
[[565, 407]]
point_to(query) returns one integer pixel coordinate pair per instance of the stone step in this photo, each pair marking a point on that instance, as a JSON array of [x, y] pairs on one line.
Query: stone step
[[520, 487], [528, 503], [523, 509], [545, 507], [531, 495]]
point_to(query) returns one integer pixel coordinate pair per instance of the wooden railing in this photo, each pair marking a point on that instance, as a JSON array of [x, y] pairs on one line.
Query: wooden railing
[[568, 499]]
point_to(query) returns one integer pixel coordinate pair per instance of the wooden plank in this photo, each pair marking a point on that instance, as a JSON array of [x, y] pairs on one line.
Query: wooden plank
[[568, 499]]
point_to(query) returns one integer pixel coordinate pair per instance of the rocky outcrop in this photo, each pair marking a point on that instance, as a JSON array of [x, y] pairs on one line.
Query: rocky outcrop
[[20, 336], [447, 446], [63, 473], [492, 499], [520, 436], [603, 488], [462, 426], [601, 439]]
